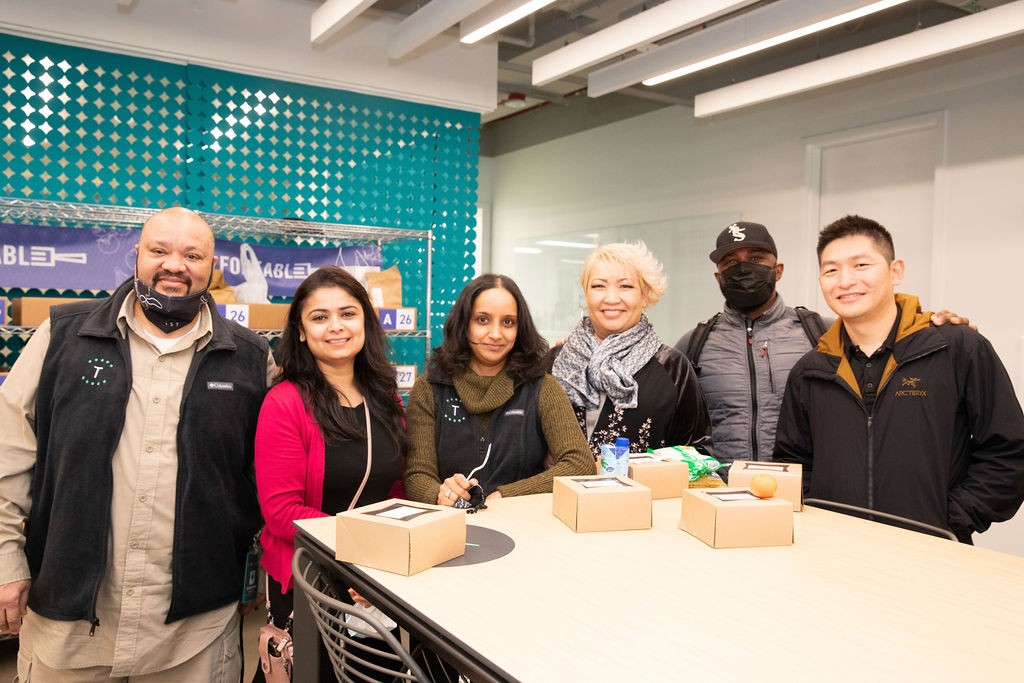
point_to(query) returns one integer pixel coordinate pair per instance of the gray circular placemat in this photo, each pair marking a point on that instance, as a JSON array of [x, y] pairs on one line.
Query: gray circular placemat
[[482, 545]]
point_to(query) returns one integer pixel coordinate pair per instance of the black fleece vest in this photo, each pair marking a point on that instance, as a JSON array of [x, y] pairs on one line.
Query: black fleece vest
[[80, 410], [518, 447]]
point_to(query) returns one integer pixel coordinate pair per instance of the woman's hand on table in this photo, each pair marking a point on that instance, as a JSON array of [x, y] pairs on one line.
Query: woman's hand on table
[[494, 496], [454, 487]]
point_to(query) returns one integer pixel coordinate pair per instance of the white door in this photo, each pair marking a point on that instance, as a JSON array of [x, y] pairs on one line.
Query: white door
[[887, 173]]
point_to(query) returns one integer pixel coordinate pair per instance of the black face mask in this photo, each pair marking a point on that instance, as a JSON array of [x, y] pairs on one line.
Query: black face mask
[[169, 313], [747, 286]]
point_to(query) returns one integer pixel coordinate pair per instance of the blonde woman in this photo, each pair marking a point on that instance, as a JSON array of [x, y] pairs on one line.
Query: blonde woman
[[621, 380]]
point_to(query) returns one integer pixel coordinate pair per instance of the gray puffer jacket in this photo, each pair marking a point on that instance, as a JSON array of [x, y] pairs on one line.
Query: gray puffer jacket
[[743, 369]]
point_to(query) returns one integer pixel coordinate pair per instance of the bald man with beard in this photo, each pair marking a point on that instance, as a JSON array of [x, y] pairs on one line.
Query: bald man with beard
[[127, 499]]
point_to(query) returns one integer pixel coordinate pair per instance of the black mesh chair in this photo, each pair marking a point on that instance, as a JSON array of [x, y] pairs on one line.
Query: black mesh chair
[[897, 520], [372, 656]]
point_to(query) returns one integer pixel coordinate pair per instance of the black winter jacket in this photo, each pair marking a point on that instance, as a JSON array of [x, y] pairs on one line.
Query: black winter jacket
[[944, 444]]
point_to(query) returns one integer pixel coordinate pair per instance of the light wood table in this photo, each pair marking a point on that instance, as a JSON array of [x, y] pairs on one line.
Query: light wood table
[[850, 600]]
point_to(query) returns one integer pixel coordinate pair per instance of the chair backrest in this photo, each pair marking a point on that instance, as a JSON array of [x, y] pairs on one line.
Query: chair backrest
[[360, 651], [905, 522]]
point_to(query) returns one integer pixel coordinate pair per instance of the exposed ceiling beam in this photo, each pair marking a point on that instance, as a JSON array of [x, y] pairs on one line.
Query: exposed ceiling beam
[[539, 93], [977, 29], [332, 16], [496, 16], [641, 29], [735, 33], [428, 21]]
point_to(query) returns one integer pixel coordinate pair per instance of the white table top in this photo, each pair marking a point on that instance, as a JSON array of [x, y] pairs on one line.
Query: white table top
[[850, 600]]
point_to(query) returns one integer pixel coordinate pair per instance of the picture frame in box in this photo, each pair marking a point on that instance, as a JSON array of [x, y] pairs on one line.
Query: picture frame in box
[[601, 502], [400, 536], [736, 518]]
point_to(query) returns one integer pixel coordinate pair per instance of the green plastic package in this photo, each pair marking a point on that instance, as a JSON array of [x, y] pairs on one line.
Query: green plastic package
[[700, 465]]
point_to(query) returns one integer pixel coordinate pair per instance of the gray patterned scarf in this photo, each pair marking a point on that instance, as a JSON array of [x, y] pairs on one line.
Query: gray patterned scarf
[[587, 367]]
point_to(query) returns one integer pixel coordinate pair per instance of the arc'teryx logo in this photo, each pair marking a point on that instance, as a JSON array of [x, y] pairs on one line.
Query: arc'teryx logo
[[737, 233], [909, 387], [95, 374]]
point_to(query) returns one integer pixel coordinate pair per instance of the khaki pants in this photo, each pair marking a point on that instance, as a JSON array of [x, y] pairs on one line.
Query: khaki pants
[[219, 662]]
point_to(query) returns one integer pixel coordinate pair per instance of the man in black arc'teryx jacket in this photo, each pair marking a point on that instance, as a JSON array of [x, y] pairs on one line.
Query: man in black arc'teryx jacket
[[892, 414]]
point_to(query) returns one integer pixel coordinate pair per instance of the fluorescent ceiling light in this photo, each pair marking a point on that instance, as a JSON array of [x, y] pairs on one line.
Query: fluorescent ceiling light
[[332, 16], [959, 34], [428, 21], [561, 243], [644, 28], [758, 24], [496, 17], [766, 43]]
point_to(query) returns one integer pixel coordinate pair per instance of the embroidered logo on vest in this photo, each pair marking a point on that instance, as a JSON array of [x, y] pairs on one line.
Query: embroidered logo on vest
[[453, 410], [95, 374], [908, 387]]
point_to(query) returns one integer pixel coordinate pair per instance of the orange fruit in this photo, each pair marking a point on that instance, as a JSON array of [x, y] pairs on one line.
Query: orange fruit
[[763, 485]]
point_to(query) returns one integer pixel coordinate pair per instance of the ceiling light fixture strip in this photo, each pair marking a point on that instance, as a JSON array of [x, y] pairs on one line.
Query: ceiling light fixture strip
[[497, 16], [993, 24], [644, 28], [759, 24], [772, 41]]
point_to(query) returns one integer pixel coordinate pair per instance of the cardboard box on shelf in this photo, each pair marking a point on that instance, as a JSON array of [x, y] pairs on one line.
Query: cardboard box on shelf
[[268, 316], [400, 536], [736, 518], [385, 288], [601, 503], [789, 476], [397, 318], [29, 311], [666, 477]]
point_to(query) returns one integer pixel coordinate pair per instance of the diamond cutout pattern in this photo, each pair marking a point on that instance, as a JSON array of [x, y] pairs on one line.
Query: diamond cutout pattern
[[81, 125]]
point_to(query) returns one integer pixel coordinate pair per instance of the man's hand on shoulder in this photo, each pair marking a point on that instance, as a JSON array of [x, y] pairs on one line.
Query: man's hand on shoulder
[[13, 605], [944, 316]]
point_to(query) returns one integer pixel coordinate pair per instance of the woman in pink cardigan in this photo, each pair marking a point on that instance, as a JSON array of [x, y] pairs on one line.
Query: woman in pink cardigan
[[331, 433]]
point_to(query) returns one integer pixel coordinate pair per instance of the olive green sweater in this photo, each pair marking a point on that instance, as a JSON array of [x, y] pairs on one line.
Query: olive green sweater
[[567, 445]]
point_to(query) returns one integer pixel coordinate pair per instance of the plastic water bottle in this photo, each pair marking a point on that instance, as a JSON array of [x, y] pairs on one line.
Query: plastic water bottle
[[622, 455]]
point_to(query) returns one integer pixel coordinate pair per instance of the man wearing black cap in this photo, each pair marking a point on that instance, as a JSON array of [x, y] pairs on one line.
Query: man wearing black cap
[[743, 354]]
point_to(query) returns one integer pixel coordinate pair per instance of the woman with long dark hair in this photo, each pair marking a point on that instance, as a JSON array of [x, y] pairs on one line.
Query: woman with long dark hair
[[486, 412], [331, 433]]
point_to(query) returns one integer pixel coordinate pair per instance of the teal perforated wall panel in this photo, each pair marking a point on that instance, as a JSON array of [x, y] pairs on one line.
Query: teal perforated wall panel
[[87, 126]]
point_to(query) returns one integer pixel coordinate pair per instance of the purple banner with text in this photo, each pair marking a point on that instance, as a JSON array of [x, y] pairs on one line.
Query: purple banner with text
[[45, 257]]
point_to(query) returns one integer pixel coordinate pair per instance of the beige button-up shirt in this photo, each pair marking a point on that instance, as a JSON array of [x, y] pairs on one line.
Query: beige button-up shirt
[[134, 595]]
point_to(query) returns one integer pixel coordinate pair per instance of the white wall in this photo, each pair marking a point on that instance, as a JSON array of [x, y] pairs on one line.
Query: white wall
[[666, 166]]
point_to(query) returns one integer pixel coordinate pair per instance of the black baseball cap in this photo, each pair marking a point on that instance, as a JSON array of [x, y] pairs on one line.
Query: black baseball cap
[[739, 235]]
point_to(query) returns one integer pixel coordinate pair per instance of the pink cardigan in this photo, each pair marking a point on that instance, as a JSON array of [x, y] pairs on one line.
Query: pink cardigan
[[289, 475]]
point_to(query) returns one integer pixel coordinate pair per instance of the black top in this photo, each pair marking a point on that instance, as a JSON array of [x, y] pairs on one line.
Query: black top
[[345, 466], [670, 410], [869, 370]]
